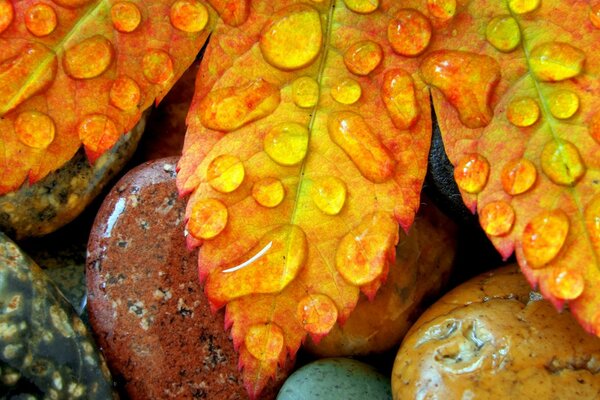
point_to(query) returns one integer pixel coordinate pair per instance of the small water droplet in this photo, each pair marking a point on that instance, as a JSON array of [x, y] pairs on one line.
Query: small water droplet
[[329, 194], [594, 15], [362, 6], [563, 104], [7, 14], [207, 219], [523, 112], [88, 59], [399, 97], [497, 218], [35, 129], [157, 66], [471, 173], [125, 94], [317, 313], [305, 92], [556, 61], [544, 237], [189, 15], [523, 6], [566, 284], [363, 57], [442, 9], [292, 37], [562, 163], [225, 173], [126, 16], [347, 91], [409, 32], [98, 133], [503, 33], [518, 176], [349, 131], [268, 192], [40, 19], [264, 341], [287, 143], [592, 221]]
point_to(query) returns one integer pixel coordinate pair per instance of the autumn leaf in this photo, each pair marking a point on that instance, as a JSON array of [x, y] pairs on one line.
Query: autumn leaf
[[76, 72], [515, 88], [306, 150]]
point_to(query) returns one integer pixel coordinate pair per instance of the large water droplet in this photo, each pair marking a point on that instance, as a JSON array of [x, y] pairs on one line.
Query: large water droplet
[[268, 192], [230, 108], [98, 133], [362, 6], [7, 14], [125, 94], [467, 80], [398, 94], [562, 163], [287, 143], [471, 173], [349, 131], [157, 66], [523, 6], [126, 16], [189, 15], [265, 341], [563, 104], [442, 9], [225, 173], [523, 112], [40, 19], [35, 129], [347, 91], [544, 237], [292, 37], [207, 219], [317, 313], [329, 194], [365, 251], [518, 176], [556, 61], [363, 57], [503, 33], [89, 58], [497, 218], [305, 92], [409, 32], [566, 284]]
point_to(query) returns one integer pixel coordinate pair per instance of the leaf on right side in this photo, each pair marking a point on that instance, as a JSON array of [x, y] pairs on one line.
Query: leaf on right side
[[515, 87]]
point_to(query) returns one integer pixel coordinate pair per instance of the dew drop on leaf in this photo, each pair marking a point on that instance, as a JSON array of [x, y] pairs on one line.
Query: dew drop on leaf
[[225, 173], [566, 284], [562, 163], [40, 19], [157, 66], [503, 33], [126, 16], [287, 143], [409, 32], [471, 173], [329, 194], [305, 92], [518, 176], [88, 59], [268, 192], [347, 91], [523, 6], [317, 313], [35, 129], [363, 57], [544, 237], [563, 104], [98, 133], [497, 218], [398, 94], [556, 61], [189, 15], [523, 112], [442, 9], [207, 219], [362, 6], [264, 341], [7, 14], [125, 94]]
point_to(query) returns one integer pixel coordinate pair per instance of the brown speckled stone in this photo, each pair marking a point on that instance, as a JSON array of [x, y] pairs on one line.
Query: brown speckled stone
[[146, 306]]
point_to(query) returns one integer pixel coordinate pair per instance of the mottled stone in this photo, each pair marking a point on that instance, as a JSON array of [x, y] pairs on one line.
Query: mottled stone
[[46, 351], [145, 303]]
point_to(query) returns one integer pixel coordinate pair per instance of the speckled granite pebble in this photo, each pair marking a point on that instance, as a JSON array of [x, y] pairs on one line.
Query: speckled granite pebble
[[336, 379], [145, 303], [45, 349]]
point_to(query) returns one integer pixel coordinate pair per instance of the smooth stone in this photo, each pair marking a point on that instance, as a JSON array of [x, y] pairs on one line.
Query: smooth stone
[[336, 379], [45, 349], [145, 303]]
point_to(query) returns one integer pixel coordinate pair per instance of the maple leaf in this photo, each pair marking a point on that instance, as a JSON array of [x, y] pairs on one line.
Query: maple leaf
[[78, 72], [515, 87], [306, 150]]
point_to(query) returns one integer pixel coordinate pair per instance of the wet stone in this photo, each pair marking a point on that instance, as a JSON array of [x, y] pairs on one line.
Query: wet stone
[[146, 305]]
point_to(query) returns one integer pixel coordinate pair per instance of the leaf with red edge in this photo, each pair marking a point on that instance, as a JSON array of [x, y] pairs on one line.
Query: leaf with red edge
[[306, 150], [81, 71], [516, 90]]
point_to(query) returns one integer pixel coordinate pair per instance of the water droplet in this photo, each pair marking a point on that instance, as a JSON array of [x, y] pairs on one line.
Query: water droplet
[[287, 143], [466, 80], [230, 108], [544, 237], [566, 284], [523, 112], [594, 127], [350, 131], [398, 94], [363, 57], [89, 58], [292, 37], [329, 194], [442, 9], [556, 61], [317, 313], [125, 94], [594, 15], [157, 66], [225, 173], [503, 33], [362, 6], [365, 251], [471, 173], [497, 218], [347, 91], [35, 129], [126, 16], [7, 14], [592, 221], [268, 192], [562, 163], [98, 133], [208, 219], [189, 15], [518, 176], [563, 104], [409, 32], [264, 341], [523, 6], [40, 19], [305, 92], [233, 13]]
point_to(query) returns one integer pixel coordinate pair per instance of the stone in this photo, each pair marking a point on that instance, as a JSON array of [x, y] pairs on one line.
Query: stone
[[145, 301]]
